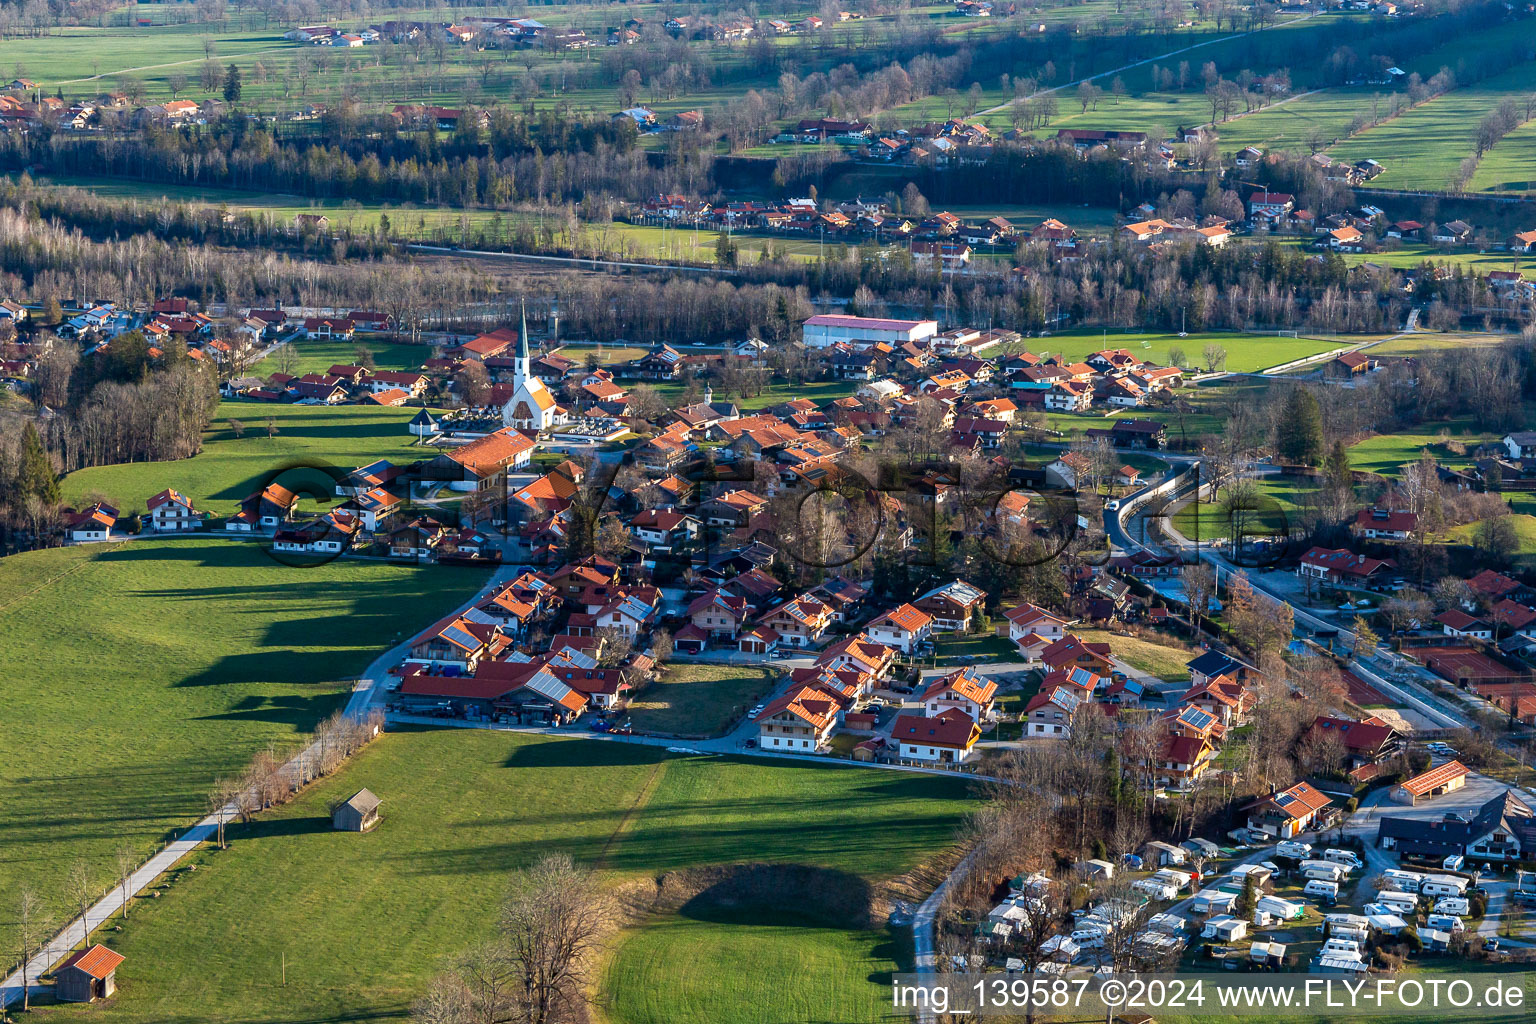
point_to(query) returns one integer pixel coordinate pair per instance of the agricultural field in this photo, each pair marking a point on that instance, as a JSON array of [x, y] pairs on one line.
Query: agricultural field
[[1510, 166], [1424, 147], [463, 808], [180, 659], [230, 467], [699, 700], [1403, 256], [1246, 353]]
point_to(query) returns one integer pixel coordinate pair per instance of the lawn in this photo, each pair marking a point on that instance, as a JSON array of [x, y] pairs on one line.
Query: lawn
[[180, 658], [606, 354], [230, 468], [699, 700], [1278, 500], [776, 393], [1388, 453], [954, 649], [365, 920], [309, 356], [780, 969], [1164, 660]]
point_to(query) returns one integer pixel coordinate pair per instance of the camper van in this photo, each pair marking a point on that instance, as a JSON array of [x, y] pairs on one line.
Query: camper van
[[1404, 881], [1349, 858], [1458, 905], [1453, 862], [1319, 887], [1291, 848], [1443, 885], [1326, 870], [1445, 922]]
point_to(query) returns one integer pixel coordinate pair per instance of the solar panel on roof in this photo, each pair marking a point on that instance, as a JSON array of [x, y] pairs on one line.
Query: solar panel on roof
[[456, 635]]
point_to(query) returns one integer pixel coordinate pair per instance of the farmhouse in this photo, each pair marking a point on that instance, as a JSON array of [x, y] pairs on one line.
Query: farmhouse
[[484, 463], [1499, 831], [1288, 812]]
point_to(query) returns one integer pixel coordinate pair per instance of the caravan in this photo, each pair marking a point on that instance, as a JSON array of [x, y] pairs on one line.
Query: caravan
[[1443, 885], [1285, 910], [1318, 887], [1341, 945], [1446, 923], [1324, 869], [1458, 905], [1403, 881]]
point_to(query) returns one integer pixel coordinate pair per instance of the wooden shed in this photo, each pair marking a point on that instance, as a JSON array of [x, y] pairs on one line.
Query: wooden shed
[[358, 814], [88, 975]]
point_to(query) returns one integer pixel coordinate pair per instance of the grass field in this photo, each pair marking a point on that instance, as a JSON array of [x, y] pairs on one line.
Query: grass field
[[1166, 660], [775, 394], [1510, 166], [781, 970], [229, 469], [364, 920], [1246, 353], [148, 668], [319, 356], [1423, 147], [1388, 453], [1407, 256], [694, 700]]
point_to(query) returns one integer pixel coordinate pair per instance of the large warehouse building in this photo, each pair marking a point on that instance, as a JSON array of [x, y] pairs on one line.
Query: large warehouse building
[[862, 331]]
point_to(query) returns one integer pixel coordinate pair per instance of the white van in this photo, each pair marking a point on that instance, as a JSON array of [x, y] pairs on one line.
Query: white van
[[1291, 848], [1401, 901], [1446, 922], [1458, 905], [1336, 944], [1453, 862], [1349, 858], [1319, 887]]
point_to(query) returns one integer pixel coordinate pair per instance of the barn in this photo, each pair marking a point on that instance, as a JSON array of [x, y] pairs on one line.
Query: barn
[[357, 814], [88, 975]]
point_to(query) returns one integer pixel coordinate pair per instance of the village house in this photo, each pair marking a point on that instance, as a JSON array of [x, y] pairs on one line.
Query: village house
[[951, 606], [904, 628], [1288, 812], [947, 738], [799, 622], [171, 511], [962, 690], [801, 720]]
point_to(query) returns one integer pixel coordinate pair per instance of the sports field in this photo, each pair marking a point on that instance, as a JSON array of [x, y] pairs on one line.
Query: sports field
[[364, 920], [230, 468], [145, 669]]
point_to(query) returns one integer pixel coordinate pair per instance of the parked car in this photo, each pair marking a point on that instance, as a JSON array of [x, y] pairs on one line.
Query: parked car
[[1491, 944], [751, 744], [756, 711]]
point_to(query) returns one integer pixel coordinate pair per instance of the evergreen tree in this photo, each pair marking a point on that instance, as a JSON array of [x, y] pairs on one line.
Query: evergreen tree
[[232, 84], [1300, 435], [1337, 468], [36, 475]]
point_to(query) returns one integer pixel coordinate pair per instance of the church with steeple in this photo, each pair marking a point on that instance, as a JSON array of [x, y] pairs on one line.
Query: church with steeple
[[531, 406]]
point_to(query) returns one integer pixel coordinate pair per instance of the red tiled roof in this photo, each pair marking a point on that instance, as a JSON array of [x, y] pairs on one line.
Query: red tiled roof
[[98, 961]]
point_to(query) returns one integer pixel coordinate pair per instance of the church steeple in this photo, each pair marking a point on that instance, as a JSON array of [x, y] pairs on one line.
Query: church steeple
[[520, 371]]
